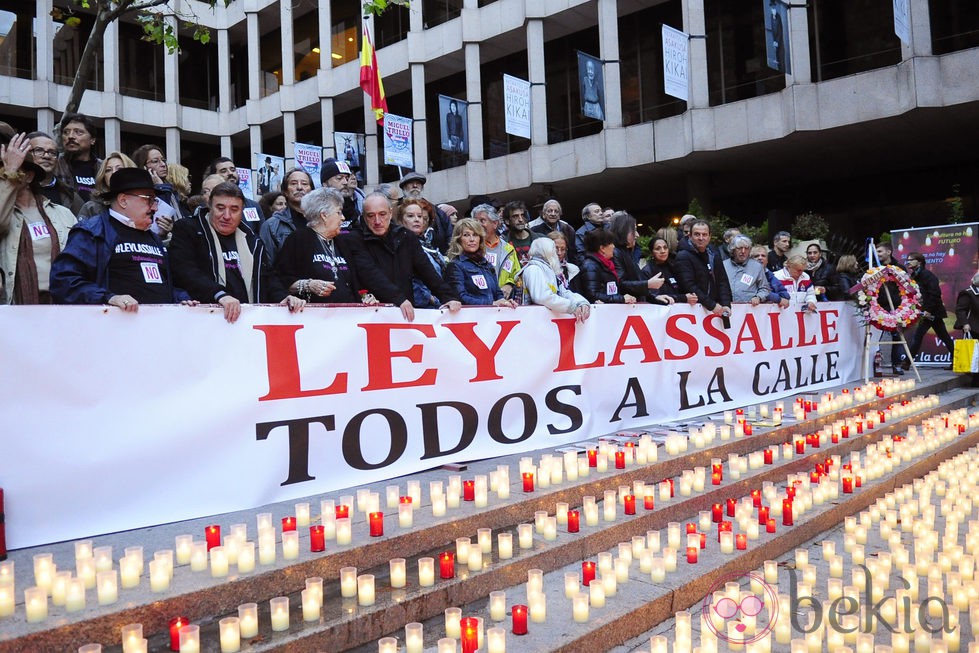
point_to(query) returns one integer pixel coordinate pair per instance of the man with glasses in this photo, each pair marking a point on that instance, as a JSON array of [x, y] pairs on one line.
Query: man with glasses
[[747, 278], [114, 258], [45, 153]]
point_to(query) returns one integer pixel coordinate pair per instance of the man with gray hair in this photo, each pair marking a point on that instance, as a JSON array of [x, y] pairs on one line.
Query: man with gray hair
[[749, 283], [499, 253], [550, 220], [593, 218]]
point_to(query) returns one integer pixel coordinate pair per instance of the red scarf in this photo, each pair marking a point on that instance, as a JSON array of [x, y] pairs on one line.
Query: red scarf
[[607, 262]]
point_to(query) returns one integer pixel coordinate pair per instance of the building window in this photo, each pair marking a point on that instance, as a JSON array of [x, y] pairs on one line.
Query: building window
[[954, 25], [851, 36], [69, 43], [345, 32], [17, 41], [306, 44], [391, 27], [270, 52], [198, 73], [436, 12], [238, 65], [145, 80], [641, 56], [737, 67]]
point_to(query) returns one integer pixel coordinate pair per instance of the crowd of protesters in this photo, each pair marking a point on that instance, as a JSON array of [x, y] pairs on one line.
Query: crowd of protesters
[[128, 230]]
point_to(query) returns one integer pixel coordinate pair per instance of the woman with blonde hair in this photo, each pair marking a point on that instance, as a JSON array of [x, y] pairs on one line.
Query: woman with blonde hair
[[114, 161], [468, 272], [179, 178]]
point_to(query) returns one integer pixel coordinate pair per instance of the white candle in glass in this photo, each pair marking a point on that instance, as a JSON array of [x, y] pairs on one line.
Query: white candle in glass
[[60, 584], [406, 516], [497, 605], [198, 556], [130, 570], [537, 607], [248, 620], [190, 639], [398, 572], [44, 571], [414, 637], [311, 605], [7, 598], [266, 546], [426, 572], [159, 576], [365, 590], [579, 607], [453, 618], [447, 645], [504, 545], [279, 613], [484, 537], [496, 640], [246, 557], [75, 595], [348, 582], [230, 634], [103, 557], [525, 536], [343, 531], [290, 545], [475, 559], [107, 587], [219, 562], [596, 593]]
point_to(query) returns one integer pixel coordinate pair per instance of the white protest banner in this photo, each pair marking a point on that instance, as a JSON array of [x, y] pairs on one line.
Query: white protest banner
[[516, 106], [676, 63], [902, 20], [310, 159], [398, 147], [107, 432]]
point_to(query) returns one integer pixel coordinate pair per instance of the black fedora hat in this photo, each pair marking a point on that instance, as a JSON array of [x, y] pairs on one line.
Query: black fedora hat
[[129, 179]]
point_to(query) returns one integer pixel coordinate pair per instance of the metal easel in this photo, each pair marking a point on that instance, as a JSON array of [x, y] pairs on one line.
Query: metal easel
[[872, 260]]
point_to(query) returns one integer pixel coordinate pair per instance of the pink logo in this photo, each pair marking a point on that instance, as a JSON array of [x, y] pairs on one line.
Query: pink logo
[[761, 608]]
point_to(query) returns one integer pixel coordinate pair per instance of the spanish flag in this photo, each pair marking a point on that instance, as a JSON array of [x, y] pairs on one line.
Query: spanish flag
[[370, 77]]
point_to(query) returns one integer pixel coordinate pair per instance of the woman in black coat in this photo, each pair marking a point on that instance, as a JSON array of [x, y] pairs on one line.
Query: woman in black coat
[[632, 281], [600, 280], [661, 262], [967, 314]]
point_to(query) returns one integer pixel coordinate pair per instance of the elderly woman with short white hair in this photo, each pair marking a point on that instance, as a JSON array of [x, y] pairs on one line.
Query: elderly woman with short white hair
[[540, 280]]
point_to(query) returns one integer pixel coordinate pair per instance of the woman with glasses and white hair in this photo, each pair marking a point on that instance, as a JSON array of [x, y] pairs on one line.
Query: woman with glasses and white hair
[[540, 280]]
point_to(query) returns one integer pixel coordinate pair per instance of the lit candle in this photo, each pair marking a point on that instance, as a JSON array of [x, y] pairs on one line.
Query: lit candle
[[266, 547], [311, 605], [504, 545], [129, 571], [230, 634], [279, 613], [212, 535], [468, 635], [290, 545], [731, 504], [414, 638], [620, 460], [447, 645], [453, 622], [219, 563], [468, 490], [787, 512], [248, 620], [426, 572], [406, 517], [574, 521], [692, 553], [447, 567], [538, 607], [528, 481], [579, 607], [741, 541], [727, 541], [376, 524], [160, 575], [344, 531], [525, 536], [587, 572], [75, 595], [398, 573], [190, 639], [630, 504], [596, 594], [348, 582], [763, 515], [519, 615], [175, 625], [496, 640]]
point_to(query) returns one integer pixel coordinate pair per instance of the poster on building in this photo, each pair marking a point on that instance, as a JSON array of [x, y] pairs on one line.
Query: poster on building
[[352, 148], [245, 183], [398, 141], [902, 20], [676, 63], [952, 253], [516, 106], [268, 173], [591, 82], [777, 36], [455, 124], [310, 159]]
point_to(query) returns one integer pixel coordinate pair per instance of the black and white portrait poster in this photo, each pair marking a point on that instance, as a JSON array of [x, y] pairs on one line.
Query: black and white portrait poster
[[592, 85], [777, 36], [455, 124], [352, 148]]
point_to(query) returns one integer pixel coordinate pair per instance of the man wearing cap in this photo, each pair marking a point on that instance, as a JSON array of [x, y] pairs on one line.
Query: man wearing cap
[[277, 228], [217, 258], [114, 258], [252, 213], [338, 175], [413, 185]]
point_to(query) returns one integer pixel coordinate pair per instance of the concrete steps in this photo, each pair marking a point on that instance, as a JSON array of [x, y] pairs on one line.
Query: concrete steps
[[343, 625]]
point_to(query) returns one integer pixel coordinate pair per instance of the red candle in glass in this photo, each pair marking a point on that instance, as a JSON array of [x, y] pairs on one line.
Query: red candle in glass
[[175, 625], [703, 540], [212, 534], [870, 424], [756, 498], [731, 505], [770, 526], [786, 512], [847, 467], [376, 520], [815, 440], [847, 485], [519, 614], [317, 538], [672, 487], [587, 572], [769, 457], [447, 564], [468, 629], [574, 521], [741, 541], [288, 524], [859, 426], [342, 511], [820, 469], [620, 460], [692, 553], [882, 417], [763, 515], [858, 482], [747, 428], [469, 490], [800, 446], [528, 481], [648, 502], [715, 479], [814, 477], [691, 528], [630, 504], [835, 438], [961, 428], [739, 414], [593, 457], [790, 491], [845, 431], [723, 526], [717, 513], [404, 500], [717, 468]]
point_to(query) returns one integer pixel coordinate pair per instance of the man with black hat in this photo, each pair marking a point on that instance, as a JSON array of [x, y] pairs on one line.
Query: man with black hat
[[114, 258], [218, 259], [337, 175], [32, 228], [413, 185]]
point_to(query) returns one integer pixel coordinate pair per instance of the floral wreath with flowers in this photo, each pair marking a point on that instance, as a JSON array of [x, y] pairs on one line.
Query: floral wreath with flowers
[[882, 316]]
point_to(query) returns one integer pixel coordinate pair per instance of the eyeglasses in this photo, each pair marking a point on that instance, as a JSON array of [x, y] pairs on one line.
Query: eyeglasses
[[150, 199], [40, 152]]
